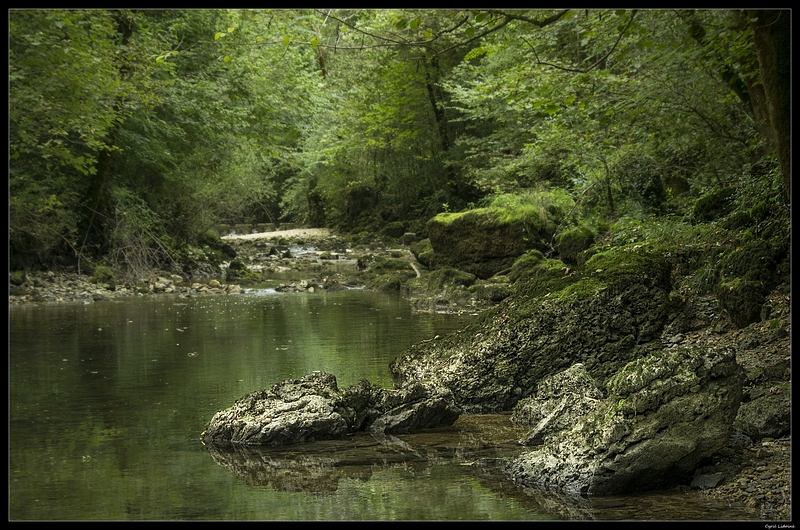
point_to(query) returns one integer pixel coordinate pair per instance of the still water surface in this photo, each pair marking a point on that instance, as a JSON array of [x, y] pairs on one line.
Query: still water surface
[[107, 401]]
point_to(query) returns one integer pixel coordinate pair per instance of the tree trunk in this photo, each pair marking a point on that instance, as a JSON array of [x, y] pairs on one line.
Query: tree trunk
[[771, 39]]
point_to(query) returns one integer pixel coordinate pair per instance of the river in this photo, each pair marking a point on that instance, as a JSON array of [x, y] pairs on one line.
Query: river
[[107, 402]]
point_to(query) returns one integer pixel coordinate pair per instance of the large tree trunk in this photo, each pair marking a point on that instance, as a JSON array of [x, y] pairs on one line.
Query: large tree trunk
[[771, 31]]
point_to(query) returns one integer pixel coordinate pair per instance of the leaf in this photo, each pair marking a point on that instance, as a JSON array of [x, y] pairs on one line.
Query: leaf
[[218, 34], [428, 34], [315, 42], [226, 58], [470, 32], [286, 41], [415, 23], [401, 24]]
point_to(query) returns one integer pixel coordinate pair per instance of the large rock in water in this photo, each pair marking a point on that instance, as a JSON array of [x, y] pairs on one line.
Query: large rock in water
[[665, 413], [314, 408], [480, 242], [609, 317]]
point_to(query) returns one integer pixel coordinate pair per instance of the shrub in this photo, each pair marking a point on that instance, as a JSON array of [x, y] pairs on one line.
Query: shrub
[[102, 274]]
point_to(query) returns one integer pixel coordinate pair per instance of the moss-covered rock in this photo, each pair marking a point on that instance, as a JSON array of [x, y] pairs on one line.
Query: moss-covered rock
[[483, 241], [423, 251], [439, 279], [17, 278], [663, 415], [714, 205], [394, 229], [746, 276], [525, 264], [491, 291], [602, 318], [385, 274], [570, 243]]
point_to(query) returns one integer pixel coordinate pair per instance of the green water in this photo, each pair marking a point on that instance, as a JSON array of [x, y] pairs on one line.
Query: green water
[[107, 401]]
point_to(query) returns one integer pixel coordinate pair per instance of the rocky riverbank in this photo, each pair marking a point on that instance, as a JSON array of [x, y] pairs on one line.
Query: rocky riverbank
[[70, 287]]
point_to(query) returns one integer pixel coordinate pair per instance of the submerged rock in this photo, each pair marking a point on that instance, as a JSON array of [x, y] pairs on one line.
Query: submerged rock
[[664, 414], [314, 408]]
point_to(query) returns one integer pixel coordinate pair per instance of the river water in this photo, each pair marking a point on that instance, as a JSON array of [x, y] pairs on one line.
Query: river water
[[107, 402]]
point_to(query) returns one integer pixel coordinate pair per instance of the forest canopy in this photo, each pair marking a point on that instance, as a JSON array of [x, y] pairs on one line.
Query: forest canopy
[[132, 132]]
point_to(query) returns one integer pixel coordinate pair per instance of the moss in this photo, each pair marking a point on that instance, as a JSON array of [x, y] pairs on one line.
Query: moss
[[616, 266], [17, 278], [384, 265], [573, 241], [448, 276], [209, 238], [102, 274], [390, 282], [423, 251], [524, 264], [394, 229], [714, 205], [742, 300], [485, 291], [547, 277], [737, 220]]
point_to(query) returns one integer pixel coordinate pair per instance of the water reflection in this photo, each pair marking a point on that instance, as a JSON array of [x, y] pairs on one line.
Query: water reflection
[[107, 402]]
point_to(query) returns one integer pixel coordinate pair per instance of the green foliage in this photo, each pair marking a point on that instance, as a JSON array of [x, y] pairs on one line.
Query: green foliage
[[17, 278], [102, 274], [130, 132]]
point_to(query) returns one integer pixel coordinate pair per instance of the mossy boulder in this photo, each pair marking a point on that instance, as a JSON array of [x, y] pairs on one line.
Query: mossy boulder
[[423, 251], [491, 291], [440, 279], [525, 264], [714, 205], [387, 274], [394, 229], [482, 241], [663, 415], [213, 242], [746, 276], [570, 243]]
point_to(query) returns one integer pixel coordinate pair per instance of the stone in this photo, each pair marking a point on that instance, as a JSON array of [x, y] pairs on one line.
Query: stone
[[665, 414], [524, 339], [314, 408], [561, 400], [704, 482], [479, 242]]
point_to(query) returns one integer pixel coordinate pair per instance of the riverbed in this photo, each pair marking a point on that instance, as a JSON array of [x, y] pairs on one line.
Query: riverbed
[[107, 401]]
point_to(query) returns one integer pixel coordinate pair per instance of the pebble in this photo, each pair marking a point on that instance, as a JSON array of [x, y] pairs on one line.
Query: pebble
[[764, 482]]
